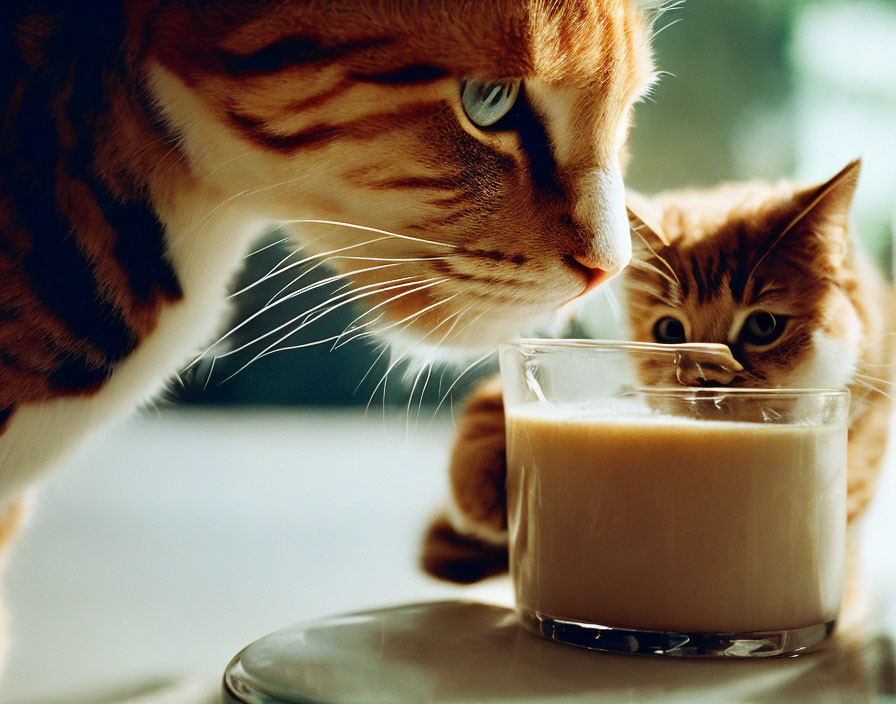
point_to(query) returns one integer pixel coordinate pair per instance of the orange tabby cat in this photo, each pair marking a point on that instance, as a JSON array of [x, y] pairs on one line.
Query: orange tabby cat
[[769, 270], [147, 143]]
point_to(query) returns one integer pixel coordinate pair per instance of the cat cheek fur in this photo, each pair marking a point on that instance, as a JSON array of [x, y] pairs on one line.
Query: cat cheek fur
[[831, 361]]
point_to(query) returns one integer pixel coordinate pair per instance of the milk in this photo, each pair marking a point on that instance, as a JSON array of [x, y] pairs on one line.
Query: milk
[[673, 524]]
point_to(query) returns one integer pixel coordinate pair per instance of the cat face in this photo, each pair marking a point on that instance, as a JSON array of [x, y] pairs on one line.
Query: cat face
[[481, 140], [754, 266]]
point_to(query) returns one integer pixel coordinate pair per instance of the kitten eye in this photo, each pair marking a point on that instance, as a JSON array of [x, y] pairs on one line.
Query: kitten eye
[[486, 102], [669, 331], [762, 328]]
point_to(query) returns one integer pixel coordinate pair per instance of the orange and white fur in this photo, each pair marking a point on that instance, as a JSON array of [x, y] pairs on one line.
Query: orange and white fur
[[465, 158], [770, 270]]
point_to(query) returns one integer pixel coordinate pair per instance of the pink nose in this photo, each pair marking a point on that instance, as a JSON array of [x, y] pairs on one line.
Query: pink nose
[[594, 275]]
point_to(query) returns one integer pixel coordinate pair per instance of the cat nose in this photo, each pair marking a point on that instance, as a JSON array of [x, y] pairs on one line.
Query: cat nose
[[592, 270]]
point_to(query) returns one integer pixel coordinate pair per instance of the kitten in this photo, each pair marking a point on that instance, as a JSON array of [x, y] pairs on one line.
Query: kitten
[[457, 162], [769, 270]]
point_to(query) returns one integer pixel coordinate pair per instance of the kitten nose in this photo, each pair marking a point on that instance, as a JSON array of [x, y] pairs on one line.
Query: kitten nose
[[594, 274]]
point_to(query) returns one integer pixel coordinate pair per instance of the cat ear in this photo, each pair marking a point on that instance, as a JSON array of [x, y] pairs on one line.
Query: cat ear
[[832, 199], [644, 236], [816, 220]]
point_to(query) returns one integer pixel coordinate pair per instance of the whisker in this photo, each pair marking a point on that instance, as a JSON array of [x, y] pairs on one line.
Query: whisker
[[371, 229], [423, 390], [269, 349], [308, 321], [334, 277], [868, 377], [383, 303], [459, 377], [404, 354], [427, 365], [373, 364], [655, 254], [641, 264], [614, 304], [873, 388], [276, 271], [273, 304], [267, 246], [438, 344]]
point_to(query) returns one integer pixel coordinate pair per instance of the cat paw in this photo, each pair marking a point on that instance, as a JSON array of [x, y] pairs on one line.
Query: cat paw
[[452, 557], [478, 503]]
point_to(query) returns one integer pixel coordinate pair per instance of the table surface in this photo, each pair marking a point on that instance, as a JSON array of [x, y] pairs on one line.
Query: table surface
[[177, 538]]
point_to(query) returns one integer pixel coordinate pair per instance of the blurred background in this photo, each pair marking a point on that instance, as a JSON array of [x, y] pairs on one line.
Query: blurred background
[[757, 89]]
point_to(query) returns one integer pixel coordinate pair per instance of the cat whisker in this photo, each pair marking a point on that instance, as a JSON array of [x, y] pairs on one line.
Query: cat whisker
[[305, 273], [641, 264], [385, 235], [476, 362], [350, 328], [276, 271], [655, 254], [428, 365], [245, 193], [278, 302], [210, 371], [371, 229], [404, 354], [383, 303], [378, 331], [868, 377], [267, 246], [306, 320], [660, 30], [613, 303], [873, 388], [283, 349]]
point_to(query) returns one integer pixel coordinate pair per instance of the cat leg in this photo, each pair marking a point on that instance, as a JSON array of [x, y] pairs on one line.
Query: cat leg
[[467, 541]]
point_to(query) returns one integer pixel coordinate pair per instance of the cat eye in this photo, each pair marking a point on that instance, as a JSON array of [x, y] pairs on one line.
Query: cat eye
[[762, 328], [486, 102], [669, 331]]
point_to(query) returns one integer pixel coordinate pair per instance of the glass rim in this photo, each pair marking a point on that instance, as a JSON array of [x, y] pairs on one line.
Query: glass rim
[[536, 345]]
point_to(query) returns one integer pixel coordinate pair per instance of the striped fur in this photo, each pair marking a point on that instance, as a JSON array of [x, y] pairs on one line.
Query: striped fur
[[708, 258], [127, 123], [146, 143]]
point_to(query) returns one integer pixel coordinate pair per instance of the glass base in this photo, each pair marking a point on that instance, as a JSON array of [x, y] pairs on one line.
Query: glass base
[[757, 644]]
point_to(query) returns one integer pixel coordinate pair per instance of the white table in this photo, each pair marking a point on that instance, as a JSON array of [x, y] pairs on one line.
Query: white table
[[179, 537]]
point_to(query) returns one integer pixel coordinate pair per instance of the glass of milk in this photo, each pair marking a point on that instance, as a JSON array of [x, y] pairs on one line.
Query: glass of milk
[[654, 509]]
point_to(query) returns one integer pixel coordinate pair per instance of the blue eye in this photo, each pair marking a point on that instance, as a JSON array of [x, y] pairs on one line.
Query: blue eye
[[486, 102]]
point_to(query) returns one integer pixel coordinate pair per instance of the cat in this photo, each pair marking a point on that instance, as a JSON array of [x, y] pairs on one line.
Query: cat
[[768, 269], [457, 162]]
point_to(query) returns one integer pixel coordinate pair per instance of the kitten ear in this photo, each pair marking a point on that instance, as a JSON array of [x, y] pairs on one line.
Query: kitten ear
[[644, 236], [817, 218], [832, 199]]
